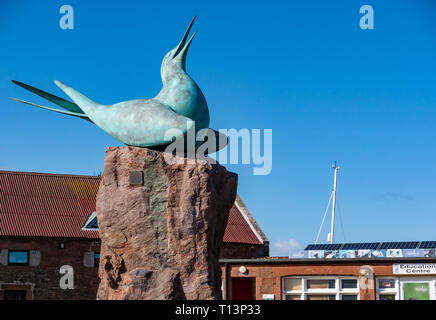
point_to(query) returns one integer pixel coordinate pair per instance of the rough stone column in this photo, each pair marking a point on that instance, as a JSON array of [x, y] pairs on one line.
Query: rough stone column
[[161, 226]]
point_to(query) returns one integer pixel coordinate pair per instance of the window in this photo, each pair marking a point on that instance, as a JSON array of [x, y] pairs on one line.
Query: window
[[320, 288], [349, 297], [91, 223], [292, 284], [321, 297], [386, 296], [293, 297], [18, 257], [386, 283], [349, 283], [94, 224], [321, 284], [96, 259], [15, 295], [387, 288], [405, 288]]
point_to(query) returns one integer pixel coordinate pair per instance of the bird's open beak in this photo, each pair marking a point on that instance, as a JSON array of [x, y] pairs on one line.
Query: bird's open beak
[[181, 47]]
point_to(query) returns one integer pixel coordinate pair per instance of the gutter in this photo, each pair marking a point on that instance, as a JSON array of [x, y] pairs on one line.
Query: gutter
[[326, 261]]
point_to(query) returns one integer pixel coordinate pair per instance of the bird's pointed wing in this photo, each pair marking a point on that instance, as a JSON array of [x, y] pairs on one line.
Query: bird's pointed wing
[[75, 114], [68, 105], [219, 141]]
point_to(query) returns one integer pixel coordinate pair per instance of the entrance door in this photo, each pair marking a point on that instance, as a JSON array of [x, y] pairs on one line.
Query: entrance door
[[417, 289], [15, 295], [243, 288]]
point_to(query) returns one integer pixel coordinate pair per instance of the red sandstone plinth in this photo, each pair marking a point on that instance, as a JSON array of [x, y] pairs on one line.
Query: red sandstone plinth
[[161, 226]]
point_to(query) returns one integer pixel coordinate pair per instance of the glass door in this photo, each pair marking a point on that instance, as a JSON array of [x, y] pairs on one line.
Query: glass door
[[417, 289]]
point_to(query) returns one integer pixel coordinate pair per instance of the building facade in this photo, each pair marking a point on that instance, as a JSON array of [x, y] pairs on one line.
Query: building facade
[[30, 268], [42, 218], [46, 223], [378, 274]]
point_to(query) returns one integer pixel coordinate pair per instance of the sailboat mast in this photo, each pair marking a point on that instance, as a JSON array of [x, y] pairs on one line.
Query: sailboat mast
[[332, 230]]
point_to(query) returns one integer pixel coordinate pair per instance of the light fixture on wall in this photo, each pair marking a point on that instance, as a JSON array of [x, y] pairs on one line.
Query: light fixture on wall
[[61, 245], [242, 269]]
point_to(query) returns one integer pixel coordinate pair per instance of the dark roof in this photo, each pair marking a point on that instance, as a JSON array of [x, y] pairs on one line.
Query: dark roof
[[57, 205], [374, 245], [314, 262]]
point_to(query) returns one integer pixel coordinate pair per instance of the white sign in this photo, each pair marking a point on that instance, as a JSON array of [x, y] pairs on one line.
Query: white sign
[[415, 268], [268, 297]]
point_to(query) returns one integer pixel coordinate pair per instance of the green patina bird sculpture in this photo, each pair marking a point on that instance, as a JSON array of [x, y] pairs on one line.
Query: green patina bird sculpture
[[179, 105]]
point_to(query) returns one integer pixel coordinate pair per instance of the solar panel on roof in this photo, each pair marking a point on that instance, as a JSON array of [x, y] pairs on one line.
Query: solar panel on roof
[[412, 245], [384, 245], [427, 245], [399, 245], [373, 245], [337, 246], [313, 247]]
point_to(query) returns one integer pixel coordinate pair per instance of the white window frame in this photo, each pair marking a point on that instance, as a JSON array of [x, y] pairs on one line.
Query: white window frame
[[430, 280], [338, 291], [380, 291], [399, 281]]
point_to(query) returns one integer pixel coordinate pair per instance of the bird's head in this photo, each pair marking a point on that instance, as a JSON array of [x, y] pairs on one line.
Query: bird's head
[[175, 60]]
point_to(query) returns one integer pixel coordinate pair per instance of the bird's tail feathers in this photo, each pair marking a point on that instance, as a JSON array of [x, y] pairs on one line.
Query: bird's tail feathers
[[75, 114], [82, 101], [68, 105]]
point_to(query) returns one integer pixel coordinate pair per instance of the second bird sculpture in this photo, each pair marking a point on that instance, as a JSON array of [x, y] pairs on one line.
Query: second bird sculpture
[[179, 105]]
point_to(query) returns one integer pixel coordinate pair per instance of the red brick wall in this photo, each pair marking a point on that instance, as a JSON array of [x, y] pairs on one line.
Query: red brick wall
[[243, 251], [43, 281], [269, 276]]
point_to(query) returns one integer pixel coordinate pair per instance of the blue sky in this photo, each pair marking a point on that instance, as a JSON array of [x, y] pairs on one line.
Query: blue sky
[[329, 90]]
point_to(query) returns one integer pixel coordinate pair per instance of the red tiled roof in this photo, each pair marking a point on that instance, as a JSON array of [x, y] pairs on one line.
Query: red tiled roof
[[55, 205], [46, 205], [238, 230]]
